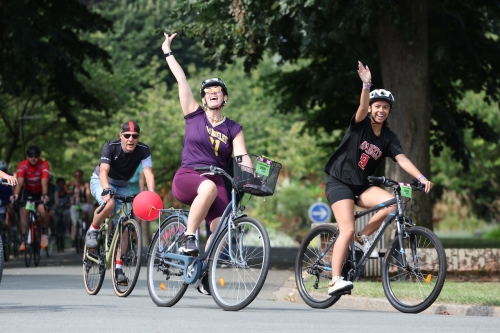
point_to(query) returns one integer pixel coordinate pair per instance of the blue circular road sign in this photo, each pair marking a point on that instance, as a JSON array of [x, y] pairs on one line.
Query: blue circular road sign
[[320, 212]]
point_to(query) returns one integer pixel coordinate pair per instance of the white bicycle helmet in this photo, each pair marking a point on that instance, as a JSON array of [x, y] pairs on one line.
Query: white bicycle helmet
[[381, 95], [3, 166]]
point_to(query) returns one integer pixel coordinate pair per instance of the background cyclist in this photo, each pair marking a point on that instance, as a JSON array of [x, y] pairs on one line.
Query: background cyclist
[[209, 139], [6, 209], [367, 140], [119, 160], [33, 179], [80, 196]]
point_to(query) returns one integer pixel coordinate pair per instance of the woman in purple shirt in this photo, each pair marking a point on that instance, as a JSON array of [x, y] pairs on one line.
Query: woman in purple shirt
[[210, 139]]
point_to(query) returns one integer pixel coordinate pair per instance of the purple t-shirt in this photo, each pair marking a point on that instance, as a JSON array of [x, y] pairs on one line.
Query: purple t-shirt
[[207, 145]]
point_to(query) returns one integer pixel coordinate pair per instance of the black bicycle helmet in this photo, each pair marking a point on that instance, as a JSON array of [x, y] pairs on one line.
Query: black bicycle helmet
[[381, 95], [33, 151], [211, 83]]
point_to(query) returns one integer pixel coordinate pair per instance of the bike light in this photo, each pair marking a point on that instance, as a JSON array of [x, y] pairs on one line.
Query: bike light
[[163, 286], [222, 282]]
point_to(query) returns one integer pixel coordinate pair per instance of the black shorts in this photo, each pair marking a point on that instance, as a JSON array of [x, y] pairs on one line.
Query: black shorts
[[337, 190], [34, 196]]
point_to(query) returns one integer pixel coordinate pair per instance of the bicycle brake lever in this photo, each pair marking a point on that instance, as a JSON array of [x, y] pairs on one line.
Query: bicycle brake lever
[[207, 173]]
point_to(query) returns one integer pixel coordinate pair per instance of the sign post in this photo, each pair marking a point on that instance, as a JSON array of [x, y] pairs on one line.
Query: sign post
[[319, 212]]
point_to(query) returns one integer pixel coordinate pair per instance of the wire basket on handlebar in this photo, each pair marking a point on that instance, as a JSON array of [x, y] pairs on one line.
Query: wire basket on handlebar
[[256, 175]]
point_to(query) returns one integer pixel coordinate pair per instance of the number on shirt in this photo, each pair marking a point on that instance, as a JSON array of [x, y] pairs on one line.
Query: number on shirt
[[363, 160]]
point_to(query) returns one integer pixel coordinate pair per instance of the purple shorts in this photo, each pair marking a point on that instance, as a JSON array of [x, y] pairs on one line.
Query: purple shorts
[[185, 189]]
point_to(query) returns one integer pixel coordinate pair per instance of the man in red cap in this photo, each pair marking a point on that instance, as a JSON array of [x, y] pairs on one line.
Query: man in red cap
[[119, 160]]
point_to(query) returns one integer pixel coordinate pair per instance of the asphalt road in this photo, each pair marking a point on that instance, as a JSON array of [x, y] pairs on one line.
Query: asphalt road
[[52, 298]]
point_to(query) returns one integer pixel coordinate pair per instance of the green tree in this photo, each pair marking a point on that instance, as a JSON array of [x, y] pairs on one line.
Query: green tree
[[427, 53], [42, 56]]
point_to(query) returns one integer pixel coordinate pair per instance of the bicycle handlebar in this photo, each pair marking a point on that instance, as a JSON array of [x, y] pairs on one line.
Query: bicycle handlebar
[[123, 198], [390, 182], [4, 181]]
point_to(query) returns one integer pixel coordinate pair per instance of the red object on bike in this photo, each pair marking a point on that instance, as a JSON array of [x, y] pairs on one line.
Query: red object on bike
[[146, 205]]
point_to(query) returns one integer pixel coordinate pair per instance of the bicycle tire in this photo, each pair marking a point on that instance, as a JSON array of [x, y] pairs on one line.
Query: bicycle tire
[[166, 284], [6, 245], [28, 248], [131, 258], [405, 287], [93, 273], [1, 259], [79, 236], [36, 248], [235, 284], [312, 278]]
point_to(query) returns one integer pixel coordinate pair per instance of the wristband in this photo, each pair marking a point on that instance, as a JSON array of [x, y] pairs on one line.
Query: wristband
[[367, 85], [168, 54], [421, 177]]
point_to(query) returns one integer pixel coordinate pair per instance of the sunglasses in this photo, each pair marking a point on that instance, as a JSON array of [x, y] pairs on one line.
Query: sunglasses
[[213, 89], [134, 136], [33, 156]]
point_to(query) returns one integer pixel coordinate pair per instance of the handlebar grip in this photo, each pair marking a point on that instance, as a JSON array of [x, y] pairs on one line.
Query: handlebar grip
[[377, 179], [203, 168], [101, 207]]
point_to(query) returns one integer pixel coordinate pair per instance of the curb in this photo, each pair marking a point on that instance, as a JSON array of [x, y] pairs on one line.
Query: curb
[[289, 293]]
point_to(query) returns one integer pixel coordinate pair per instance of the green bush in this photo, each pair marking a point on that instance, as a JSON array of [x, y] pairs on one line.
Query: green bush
[[493, 234]]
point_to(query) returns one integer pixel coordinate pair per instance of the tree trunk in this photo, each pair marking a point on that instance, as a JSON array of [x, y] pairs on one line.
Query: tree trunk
[[403, 50]]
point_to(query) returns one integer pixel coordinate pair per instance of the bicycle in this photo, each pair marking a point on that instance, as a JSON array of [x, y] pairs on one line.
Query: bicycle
[[33, 239], [80, 228], [238, 255], [413, 271], [125, 244]]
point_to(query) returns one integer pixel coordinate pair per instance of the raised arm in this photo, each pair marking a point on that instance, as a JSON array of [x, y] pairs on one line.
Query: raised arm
[[364, 101], [188, 103]]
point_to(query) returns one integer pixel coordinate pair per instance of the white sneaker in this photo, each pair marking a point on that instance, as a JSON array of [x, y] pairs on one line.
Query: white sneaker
[[338, 284], [363, 243]]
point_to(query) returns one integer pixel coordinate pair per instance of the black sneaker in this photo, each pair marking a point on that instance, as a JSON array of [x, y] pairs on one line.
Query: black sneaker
[[188, 245], [91, 238], [120, 277], [203, 287]]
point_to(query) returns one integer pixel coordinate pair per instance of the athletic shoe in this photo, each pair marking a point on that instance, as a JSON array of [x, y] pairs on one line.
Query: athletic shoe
[[188, 245], [203, 287], [91, 238], [22, 247], [339, 285], [120, 277], [44, 242], [363, 243]]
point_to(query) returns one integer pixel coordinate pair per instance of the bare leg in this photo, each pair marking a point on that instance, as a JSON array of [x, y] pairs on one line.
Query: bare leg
[[344, 215], [371, 197], [207, 192]]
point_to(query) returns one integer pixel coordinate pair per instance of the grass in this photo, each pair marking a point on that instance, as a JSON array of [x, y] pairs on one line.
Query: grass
[[476, 293]]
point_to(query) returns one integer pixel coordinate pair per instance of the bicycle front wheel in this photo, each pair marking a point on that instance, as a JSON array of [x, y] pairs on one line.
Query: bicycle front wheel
[[414, 287], [166, 284], [238, 266], [93, 272], [312, 274], [128, 249]]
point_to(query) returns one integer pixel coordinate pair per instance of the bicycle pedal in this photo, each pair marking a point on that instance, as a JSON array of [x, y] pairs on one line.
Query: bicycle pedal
[[346, 292]]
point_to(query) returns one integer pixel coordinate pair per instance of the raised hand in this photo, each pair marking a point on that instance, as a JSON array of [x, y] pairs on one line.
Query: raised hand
[[168, 40], [364, 73]]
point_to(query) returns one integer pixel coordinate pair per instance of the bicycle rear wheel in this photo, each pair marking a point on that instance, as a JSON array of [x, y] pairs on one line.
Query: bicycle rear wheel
[[93, 273], [35, 246], [414, 288], [234, 283], [313, 275], [129, 244], [166, 284]]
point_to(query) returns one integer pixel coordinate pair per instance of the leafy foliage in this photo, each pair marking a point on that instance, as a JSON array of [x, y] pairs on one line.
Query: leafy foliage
[[330, 36]]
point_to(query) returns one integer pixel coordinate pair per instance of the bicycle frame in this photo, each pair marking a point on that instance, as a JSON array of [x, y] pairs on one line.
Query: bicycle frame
[[191, 265], [122, 214], [397, 214]]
